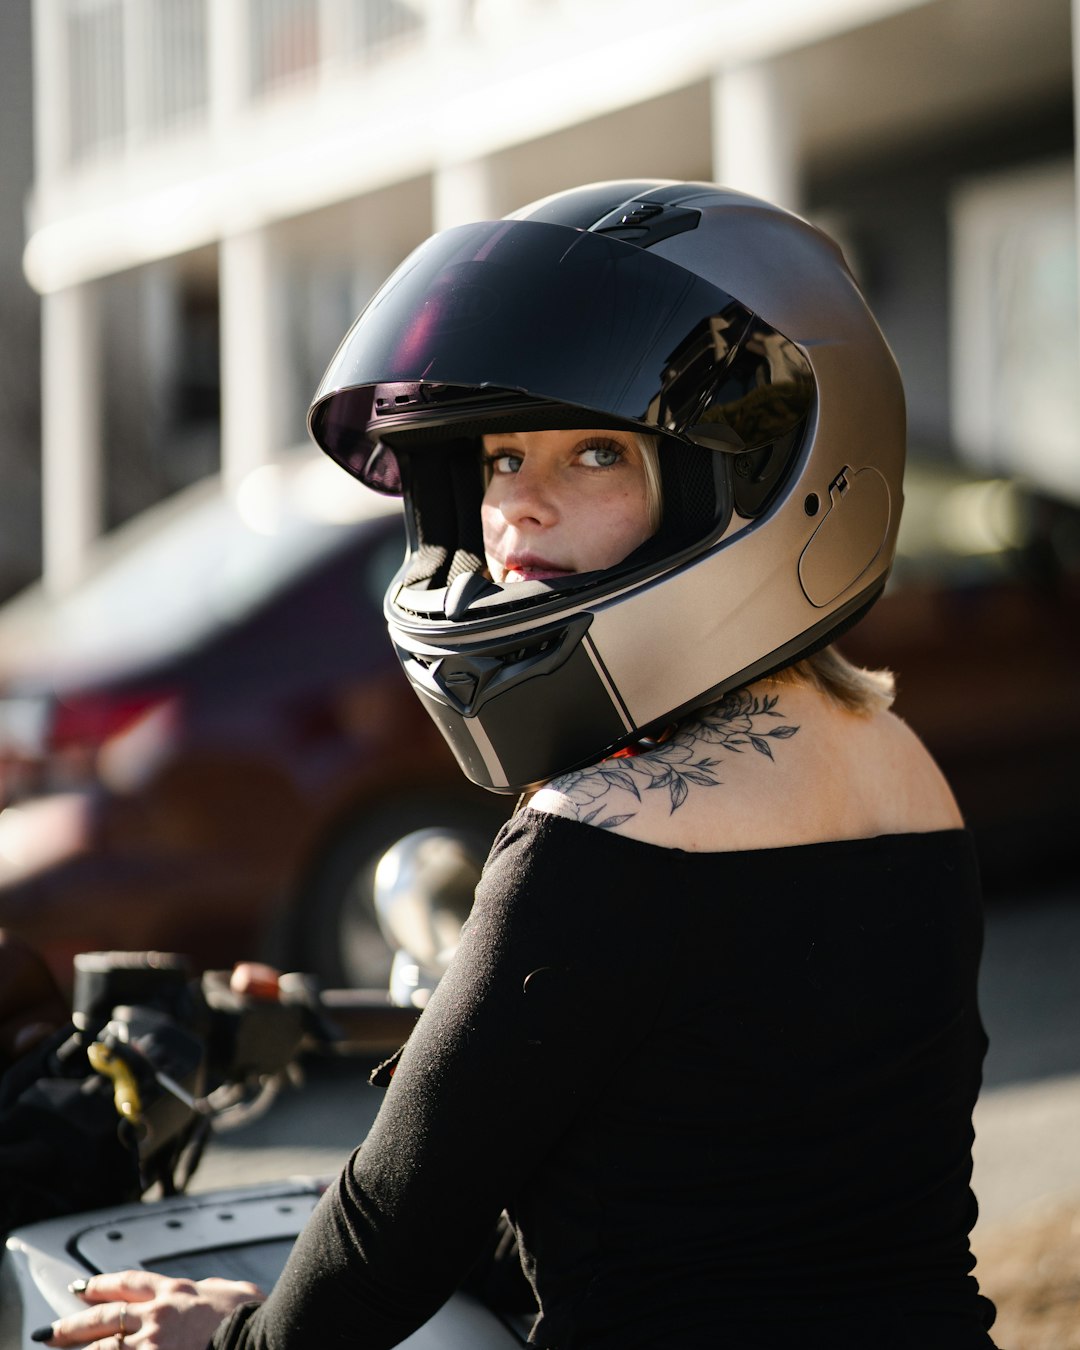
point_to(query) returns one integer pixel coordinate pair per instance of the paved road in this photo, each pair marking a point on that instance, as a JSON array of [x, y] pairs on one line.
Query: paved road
[[1027, 1122]]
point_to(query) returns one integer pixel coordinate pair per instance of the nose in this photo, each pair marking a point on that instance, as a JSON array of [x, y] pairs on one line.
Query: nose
[[528, 497]]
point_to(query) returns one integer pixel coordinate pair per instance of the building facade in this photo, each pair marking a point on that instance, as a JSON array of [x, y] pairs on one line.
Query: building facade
[[220, 184]]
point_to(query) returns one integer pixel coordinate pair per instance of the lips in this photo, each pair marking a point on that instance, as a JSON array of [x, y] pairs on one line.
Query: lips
[[529, 567]]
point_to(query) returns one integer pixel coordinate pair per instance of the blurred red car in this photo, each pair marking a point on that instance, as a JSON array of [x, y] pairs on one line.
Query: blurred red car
[[207, 745]]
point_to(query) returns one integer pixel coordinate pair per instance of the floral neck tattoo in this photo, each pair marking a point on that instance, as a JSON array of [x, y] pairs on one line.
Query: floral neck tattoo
[[684, 760]]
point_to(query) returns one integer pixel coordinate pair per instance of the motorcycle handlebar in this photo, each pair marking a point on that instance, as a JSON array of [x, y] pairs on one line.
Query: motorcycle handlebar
[[368, 1022], [273, 1015], [149, 1059]]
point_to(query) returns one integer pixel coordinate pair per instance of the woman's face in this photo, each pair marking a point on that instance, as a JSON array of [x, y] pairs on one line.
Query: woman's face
[[560, 502]]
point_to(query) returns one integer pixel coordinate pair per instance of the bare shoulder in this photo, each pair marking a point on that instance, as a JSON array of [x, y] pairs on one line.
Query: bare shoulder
[[905, 782]]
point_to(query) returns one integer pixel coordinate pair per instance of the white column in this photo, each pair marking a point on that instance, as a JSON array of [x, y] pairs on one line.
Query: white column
[[753, 130], [229, 42], [460, 193], [250, 349], [248, 393], [71, 469], [446, 20], [70, 432], [336, 39], [136, 52], [461, 190], [52, 92]]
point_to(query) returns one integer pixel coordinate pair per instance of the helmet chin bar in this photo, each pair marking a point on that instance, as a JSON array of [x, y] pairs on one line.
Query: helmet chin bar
[[518, 713]]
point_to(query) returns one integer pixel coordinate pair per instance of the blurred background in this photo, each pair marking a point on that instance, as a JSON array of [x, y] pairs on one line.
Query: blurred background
[[203, 744]]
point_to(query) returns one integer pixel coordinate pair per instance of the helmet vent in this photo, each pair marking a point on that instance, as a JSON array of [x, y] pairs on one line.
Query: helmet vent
[[645, 223]]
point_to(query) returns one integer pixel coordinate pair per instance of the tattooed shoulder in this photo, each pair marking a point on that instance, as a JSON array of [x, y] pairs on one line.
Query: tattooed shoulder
[[690, 760]]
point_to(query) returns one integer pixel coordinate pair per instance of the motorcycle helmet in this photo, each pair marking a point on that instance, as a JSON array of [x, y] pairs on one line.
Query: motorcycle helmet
[[730, 330]]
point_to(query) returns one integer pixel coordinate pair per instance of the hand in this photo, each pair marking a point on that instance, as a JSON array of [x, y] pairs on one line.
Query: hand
[[255, 979], [150, 1312]]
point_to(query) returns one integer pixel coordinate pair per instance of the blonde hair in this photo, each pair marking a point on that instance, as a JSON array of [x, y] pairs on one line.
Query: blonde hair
[[852, 687], [648, 448]]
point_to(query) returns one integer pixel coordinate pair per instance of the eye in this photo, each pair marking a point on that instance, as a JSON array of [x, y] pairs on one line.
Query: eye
[[601, 454], [502, 461]]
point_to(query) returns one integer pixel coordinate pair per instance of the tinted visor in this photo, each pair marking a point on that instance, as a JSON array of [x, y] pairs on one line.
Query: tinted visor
[[485, 318]]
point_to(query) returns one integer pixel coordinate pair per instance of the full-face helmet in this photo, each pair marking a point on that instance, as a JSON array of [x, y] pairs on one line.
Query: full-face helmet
[[730, 329]]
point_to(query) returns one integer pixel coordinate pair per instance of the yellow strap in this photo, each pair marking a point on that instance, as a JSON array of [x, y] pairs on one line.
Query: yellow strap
[[125, 1089]]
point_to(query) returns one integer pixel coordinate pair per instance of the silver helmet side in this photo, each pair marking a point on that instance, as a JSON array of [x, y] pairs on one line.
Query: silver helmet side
[[727, 327]]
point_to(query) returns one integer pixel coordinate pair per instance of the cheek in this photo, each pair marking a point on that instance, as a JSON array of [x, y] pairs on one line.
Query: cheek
[[635, 525], [614, 531], [634, 507], [492, 526]]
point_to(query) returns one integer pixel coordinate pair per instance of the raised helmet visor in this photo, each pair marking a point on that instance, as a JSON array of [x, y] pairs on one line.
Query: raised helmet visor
[[483, 320]]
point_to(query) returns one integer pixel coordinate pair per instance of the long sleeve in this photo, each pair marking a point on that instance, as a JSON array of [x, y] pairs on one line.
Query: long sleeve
[[490, 1078]]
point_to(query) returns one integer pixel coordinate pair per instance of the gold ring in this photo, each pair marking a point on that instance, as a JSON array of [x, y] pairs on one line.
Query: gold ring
[[123, 1322]]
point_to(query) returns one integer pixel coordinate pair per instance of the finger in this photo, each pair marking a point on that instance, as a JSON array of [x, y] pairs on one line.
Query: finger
[[102, 1322], [215, 1284], [46, 1334], [255, 979], [121, 1286], [105, 1343]]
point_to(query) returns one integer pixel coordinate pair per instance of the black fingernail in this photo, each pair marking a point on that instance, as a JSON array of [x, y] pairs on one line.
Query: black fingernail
[[78, 1286], [42, 1334]]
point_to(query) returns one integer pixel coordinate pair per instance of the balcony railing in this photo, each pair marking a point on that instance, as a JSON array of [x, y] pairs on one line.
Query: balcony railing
[[292, 41], [137, 72]]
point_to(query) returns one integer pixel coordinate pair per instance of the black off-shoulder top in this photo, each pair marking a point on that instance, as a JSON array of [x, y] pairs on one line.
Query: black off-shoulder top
[[725, 1098]]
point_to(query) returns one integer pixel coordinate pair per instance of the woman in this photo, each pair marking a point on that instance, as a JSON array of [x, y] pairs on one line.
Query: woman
[[711, 1036]]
